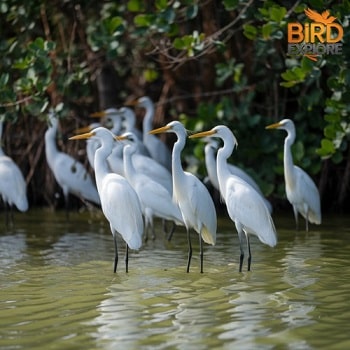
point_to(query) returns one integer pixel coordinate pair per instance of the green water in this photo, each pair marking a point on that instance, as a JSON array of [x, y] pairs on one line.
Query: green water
[[58, 291]]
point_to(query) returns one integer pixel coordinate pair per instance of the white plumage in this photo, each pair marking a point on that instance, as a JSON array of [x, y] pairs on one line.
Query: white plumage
[[13, 188], [196, 205], [301, 191], [119, 201], [245, 206], [69, 173], [155, 199], [210, 163], [156, 147]]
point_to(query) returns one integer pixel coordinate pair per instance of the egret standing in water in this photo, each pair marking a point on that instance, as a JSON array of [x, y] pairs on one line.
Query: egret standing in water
[[301, 191], [245, 205], [13, 188], [155, 199], [119, 201], [69, 173], [210, 164], [196, 205]]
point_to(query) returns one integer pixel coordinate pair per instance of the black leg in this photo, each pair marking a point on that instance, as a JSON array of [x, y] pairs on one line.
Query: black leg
[[7, 215], [66, 202], [145, 222], [201, 251], [189, 250], [249, 252], [296, 218], [116, 253], [241, 257], [152, 229], [127, 258], [11, 216], [172, 230]]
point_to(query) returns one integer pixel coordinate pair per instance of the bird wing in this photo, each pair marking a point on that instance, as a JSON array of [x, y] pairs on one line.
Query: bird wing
[[156, 197], [308, 194], [243, 175], [12, 184], [122, 209], [72, 174], [246, 206], [198, 209], [153, 169]]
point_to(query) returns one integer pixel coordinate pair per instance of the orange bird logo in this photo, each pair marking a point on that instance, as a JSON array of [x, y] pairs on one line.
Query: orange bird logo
[[321, 18]]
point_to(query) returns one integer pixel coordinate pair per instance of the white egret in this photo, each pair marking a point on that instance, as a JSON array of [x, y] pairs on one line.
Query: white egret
[[301, 191], [129, 122], [196, 205], [69, 173], [119, 201], [112, 115], [123, 120], [210, 163], [156, 147], [245, 205], [142, 163], [13, 188], [155, 199]]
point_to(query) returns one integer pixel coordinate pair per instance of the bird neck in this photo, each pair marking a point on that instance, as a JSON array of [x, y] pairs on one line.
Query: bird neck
[[117, 126], [129, 168], [210, 164], [147, 123], [51, 149], [177, 170], [288, 157], [222, 167], [101, 165]]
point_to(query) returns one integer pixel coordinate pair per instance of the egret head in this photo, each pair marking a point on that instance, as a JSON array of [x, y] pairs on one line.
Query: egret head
[[99, 133], [220, 131], [284, 124], [172, 127]]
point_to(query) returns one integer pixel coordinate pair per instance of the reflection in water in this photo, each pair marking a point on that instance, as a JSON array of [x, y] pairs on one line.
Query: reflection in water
[[58, 290]]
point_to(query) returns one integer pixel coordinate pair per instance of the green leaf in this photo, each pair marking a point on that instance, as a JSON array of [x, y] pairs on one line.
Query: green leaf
[[179, 44], [337, 157], [161, 4], [4, 78], [114, 25], [277, 14], [327, 148], [150, 75], [143, 20], [330, 132], [136, 5], [266, 30], [230, 5], [250, 31], [191, 11]]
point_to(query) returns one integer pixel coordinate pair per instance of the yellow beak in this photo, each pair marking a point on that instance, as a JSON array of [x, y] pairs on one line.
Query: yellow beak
[[202, 134], [273, 126], [82, 136], [121, 138], [99, 114], [160, 130]]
